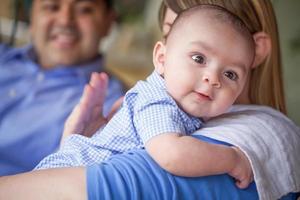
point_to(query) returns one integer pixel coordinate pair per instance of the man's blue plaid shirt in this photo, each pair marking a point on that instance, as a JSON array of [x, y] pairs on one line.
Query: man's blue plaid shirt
[[147, 111]]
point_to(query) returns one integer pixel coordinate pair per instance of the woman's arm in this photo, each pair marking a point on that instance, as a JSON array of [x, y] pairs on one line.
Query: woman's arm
[[187, 156], [136, 171], [63, 183], [117, 178]]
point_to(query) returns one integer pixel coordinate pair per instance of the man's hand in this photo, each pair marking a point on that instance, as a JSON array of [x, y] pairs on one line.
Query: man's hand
[[87, 116], [242, 170]]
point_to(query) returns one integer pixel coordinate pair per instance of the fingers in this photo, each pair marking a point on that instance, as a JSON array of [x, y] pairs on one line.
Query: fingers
[[75, 123], [94, 125], [242, 184], [242, 171], [98, 83], [91, 105], [87, 115], [115, 107], [94, 95], [87, 97]]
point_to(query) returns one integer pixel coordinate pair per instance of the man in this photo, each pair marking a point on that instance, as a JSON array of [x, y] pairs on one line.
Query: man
[[41, 83]]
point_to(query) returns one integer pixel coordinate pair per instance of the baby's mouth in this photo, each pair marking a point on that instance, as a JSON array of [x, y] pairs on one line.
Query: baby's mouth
[[203, 96]]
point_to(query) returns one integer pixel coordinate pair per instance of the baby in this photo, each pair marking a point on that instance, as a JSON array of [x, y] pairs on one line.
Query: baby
[[200, 70]]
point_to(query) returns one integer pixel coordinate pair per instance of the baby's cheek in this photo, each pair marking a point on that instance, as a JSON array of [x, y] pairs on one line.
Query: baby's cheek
[[227, 100]]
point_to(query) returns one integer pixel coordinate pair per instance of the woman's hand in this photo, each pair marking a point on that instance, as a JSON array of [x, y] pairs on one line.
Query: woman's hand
[[87, 116]]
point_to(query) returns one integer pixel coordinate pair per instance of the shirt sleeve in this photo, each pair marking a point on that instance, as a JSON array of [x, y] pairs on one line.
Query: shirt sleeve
[[158, 115], [136, 171], [3, 49], [155, 118], [77, 150]]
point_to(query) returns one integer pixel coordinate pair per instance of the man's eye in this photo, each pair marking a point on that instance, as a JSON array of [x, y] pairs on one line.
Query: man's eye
[[199, 59], [231, 75], [84, 9], [52, 7]]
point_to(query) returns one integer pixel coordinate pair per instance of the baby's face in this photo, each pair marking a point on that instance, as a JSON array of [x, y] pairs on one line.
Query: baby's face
[[206, 65]]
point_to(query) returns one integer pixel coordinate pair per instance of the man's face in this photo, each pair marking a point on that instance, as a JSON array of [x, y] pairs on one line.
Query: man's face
[[68, 32]]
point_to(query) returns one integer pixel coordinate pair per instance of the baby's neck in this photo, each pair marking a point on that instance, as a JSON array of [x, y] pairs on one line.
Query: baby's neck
[[205, 118]]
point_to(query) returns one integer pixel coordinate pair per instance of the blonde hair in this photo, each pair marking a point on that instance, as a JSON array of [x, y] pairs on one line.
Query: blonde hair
[[266, 84]]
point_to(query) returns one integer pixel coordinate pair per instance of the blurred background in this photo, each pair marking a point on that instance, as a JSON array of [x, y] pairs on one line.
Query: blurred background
[[129, 47]]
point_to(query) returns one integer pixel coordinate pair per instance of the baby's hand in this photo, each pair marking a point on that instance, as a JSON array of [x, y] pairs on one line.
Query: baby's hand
[[242, 170], [86, 118]]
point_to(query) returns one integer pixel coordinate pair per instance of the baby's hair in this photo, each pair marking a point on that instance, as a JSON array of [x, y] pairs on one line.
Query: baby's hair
[[217, 13]]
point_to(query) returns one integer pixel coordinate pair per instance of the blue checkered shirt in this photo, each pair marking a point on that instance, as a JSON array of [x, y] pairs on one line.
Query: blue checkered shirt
[[147, 111]]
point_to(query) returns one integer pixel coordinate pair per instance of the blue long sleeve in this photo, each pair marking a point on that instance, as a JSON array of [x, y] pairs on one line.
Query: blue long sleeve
[[134, 175]]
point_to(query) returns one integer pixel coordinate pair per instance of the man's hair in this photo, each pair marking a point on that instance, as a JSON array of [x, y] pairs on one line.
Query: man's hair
[[109, 3]]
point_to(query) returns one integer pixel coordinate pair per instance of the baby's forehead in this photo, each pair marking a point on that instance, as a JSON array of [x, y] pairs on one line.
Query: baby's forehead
[[208, 29], [212, 14]]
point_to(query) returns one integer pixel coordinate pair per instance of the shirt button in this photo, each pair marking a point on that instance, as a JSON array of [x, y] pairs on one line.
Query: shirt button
[[40, 77], [12, 93]]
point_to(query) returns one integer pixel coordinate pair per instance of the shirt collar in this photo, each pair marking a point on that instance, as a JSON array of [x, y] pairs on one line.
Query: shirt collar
[[81, 70], [156, 79]]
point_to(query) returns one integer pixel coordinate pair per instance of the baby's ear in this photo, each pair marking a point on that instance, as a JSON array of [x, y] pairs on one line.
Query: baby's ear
[[262, 47], [159, 52]]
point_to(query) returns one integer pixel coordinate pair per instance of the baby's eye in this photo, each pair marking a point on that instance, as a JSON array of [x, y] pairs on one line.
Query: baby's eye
[[231, 75], [199, 59]]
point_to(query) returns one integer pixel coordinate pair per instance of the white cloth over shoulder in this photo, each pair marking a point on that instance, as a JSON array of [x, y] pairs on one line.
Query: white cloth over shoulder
[[271, 142]]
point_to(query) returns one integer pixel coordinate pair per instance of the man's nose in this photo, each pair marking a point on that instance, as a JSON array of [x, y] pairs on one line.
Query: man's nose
[[66, 16], [212, 78]]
